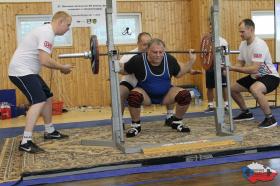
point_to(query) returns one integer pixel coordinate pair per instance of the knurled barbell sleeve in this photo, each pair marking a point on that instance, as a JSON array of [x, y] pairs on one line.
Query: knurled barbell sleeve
[[234, 52], [86, 55]]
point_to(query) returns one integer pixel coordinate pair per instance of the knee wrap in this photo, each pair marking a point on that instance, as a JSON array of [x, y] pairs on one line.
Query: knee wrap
[[183, 98], [135, 99]]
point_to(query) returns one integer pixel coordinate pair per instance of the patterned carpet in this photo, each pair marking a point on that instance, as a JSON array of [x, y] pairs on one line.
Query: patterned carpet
[[69, 153]]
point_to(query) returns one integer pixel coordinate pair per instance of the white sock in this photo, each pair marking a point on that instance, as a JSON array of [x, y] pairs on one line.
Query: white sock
[[135, 125], [169, 114], [27, 136], [226, 103], [192, 94], [211, 104], [49, 128]]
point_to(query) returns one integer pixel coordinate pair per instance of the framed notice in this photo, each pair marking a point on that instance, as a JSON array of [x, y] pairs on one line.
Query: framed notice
[[85, 13]]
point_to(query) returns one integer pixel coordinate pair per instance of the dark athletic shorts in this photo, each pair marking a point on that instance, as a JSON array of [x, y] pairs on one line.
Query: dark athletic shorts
[[33, 87], [270, 82], [127, 85], [210, 79]]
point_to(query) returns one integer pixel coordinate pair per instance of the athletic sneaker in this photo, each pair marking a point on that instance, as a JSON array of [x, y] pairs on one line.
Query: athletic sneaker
[[244, 116], [226, 108], [55, 135], [30, 147], [179, 126], [133, 131], [168, 122], [209, 109], [268, 123]]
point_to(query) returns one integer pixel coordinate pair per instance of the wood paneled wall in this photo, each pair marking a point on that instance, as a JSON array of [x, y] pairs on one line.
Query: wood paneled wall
[[232, 12], [180, 23]]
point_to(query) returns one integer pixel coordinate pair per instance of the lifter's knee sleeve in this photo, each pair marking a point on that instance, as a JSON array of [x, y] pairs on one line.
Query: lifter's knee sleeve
[[135, 99], [183, 98]]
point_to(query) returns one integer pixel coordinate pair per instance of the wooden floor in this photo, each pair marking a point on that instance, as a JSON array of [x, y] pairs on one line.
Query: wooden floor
[[218, 175]]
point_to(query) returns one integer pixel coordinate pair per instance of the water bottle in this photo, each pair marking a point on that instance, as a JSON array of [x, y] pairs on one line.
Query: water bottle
[[196, 100]]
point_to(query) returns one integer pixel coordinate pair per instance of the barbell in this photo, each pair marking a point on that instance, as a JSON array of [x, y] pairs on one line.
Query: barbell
[[206, 53]]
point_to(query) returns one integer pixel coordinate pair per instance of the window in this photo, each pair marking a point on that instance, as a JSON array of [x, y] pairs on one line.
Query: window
[[126, 30], [264, 22], [277, 29], [25, 23]]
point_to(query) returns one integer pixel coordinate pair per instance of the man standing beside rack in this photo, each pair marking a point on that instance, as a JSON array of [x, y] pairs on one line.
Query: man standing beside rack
[[255, 60], [32, 54]]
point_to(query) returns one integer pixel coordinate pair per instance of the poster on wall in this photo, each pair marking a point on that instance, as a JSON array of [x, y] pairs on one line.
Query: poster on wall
[[85, 13], [277, 30]]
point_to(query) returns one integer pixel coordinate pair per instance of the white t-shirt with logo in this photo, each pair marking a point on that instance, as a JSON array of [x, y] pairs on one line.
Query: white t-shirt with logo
[[130, 78], [25, 60], [258, 52]]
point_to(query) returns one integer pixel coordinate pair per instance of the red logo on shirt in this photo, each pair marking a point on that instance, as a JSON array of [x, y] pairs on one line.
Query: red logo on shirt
[[48, 45], [257, 55]]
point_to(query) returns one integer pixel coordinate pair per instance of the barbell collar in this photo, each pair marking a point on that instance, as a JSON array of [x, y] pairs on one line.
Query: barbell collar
[[112, 53]]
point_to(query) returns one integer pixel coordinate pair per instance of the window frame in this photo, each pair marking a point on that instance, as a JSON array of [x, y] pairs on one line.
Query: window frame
[[44, 18], [138, 26], [268, 13]]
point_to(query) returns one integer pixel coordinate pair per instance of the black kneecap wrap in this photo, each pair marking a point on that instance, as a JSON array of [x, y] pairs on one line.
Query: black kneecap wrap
[[183, 98], [135, 99]]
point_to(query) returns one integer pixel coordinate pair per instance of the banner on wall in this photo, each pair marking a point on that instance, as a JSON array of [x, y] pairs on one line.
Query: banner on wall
[[85, 13]]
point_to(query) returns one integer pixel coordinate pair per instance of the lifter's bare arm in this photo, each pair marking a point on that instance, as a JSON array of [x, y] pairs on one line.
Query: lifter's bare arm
[[47, 61], [187, 67], [240, 67]]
